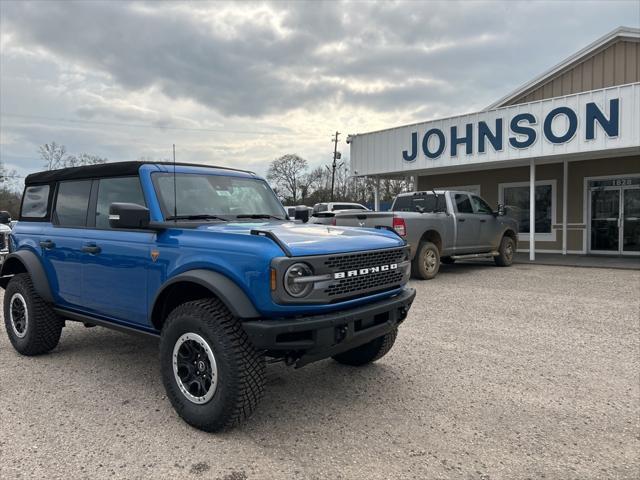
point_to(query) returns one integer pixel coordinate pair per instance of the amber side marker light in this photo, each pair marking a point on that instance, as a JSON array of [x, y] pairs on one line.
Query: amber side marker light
[[273, 279]]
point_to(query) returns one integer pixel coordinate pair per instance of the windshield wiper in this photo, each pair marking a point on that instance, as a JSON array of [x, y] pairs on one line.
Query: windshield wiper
[[259, 215], [197, 217]]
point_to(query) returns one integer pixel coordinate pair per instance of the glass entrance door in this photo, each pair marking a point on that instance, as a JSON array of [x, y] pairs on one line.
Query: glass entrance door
[[605, 220], [631, 220], [615, 219]]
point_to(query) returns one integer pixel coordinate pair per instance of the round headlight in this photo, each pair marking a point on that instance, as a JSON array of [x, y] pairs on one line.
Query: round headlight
[[292, 277]]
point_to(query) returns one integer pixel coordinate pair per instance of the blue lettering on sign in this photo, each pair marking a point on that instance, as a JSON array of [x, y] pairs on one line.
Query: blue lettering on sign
[[441, 143], [610, 126], [414, 148], [467, 139], [484, 133], [522, 130], [571, 129]]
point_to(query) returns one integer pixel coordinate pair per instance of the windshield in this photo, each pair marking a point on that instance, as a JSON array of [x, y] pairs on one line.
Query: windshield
[[420, 203], [219, 196]]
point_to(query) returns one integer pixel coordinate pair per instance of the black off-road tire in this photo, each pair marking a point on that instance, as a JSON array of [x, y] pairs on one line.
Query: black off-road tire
[[448, 260], [240, 368], [426, 263], [41, 328], [369, 352], [507, 250]]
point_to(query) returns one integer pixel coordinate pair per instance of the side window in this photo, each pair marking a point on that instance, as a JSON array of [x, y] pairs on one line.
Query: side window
[[463, 204], [480, 205], [320, 208], [35, 202], [72, 203], [110, 190]]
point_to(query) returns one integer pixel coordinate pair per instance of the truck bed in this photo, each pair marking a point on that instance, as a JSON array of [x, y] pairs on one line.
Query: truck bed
[[363, 219]]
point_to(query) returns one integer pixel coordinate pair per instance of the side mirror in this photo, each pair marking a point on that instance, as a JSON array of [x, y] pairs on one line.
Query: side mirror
[[302, 214], [5, 217], [128, 215], [500, 211]]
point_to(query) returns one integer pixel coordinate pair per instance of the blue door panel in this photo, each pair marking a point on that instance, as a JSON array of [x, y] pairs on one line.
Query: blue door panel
[[63, 264], [115, 279]]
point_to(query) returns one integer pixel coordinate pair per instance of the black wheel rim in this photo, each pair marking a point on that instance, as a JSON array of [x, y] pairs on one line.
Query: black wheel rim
[[18, 314], [195, 368]]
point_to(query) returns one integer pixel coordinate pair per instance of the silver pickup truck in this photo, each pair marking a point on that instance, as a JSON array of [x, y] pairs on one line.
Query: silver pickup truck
[[443, 226]]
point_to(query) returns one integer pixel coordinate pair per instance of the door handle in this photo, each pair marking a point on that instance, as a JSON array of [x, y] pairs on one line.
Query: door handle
[[93, 249], [483, 220], [47, 244], [461, 219]]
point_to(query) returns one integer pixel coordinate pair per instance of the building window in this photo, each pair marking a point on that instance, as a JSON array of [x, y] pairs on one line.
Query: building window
[[515, 198]]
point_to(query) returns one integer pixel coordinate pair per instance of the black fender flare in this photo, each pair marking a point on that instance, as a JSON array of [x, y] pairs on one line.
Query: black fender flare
[[222, 286], [34, 268]]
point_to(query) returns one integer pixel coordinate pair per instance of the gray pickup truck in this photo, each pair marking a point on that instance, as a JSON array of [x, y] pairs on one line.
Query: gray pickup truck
[[443, 226]]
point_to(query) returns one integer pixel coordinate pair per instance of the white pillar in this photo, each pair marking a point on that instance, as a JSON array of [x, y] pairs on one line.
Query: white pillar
[[565, 181], [376, 194], [532, 210]]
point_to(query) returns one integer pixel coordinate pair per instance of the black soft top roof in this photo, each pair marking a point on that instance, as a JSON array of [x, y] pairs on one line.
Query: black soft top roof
[[116, 169]]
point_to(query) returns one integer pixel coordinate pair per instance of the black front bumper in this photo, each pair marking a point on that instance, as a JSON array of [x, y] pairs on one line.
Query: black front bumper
[[321, 336]]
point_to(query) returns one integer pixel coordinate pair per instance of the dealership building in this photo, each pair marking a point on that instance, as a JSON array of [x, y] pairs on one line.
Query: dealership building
[[562, 152]]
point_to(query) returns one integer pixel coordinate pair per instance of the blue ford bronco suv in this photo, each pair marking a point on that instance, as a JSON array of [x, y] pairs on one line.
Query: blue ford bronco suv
[[206, 259]]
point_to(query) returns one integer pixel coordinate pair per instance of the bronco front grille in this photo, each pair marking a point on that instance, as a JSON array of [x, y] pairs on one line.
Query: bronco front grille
[[365, 259], [351, 286], [354, 285]]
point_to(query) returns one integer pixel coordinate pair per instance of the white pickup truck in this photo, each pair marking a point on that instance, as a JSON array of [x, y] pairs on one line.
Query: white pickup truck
[[443, 226], [323, 213]]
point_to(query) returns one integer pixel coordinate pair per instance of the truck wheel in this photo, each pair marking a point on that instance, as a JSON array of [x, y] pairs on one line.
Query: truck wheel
[[32, 325], [507, 249], [369, 352], [426, 262], [448, 260], [213, 376]]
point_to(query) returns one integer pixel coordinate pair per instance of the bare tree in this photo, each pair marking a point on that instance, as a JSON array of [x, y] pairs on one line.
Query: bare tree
[[55, 156], [7, 177], [83, 159], [287, 173], [9, 197]]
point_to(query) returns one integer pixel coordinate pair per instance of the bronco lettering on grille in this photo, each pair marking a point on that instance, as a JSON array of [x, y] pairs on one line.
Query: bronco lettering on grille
[[365, 271]]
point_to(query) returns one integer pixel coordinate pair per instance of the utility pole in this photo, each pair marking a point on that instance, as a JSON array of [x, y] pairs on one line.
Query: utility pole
[[336, 156]]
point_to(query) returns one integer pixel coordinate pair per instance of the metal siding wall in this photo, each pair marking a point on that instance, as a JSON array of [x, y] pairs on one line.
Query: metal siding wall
[[379, 153], [615, 65], [632, 62]]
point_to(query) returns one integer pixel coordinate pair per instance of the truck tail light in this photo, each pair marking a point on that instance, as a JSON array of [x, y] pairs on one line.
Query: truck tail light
[[333, 221], [400, 226]]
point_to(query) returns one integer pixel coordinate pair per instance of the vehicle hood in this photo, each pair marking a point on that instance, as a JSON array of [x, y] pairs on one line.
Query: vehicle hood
[[309, 239]]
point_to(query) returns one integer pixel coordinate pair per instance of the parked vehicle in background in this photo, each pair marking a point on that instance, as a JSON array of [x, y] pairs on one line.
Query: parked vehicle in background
[[323, 212], [205, 259], [294, 212], [443, 226], [5, 232]]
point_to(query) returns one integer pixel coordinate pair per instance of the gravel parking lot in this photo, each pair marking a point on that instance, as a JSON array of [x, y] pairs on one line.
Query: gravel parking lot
[[523, 372]]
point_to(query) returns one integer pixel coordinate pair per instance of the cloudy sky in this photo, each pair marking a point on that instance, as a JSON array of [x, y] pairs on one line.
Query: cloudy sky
[[241, 84]]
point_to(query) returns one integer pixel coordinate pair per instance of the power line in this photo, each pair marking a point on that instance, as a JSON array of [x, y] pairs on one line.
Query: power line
[[140, 125]]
